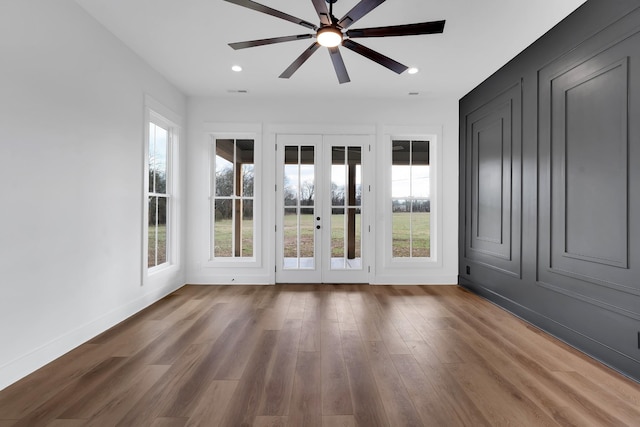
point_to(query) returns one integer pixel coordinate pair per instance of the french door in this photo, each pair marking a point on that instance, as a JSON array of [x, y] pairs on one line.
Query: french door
[[322, 216]]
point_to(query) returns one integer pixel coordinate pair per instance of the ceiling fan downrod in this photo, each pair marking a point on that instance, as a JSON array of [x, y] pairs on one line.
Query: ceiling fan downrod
[[334, 20]]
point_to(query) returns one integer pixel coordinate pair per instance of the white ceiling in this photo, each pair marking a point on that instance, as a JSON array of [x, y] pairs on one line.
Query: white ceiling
[[186, 41]]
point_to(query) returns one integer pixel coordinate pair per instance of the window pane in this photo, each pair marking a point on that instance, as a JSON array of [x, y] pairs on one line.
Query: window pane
[[307, 155], [291, 155], [338, 173], [158, 146], [157, 231], [358, 200], [346, 238], [160, 179], [223, 228], [248, 178], [307, 176], [353, 179], [307, 185], [401, 169], [244, 158], [337, 233], [290, 232], [338, 155], [401, 228], [151, 159], [401, 153], [420, 181], [160, 157], [152, 232], [400, 181], [224, 181], [290, 185], [307, 233], [247, 228], [161, 249], [420, 153], [420, 169], [420, 229], [354, 241]]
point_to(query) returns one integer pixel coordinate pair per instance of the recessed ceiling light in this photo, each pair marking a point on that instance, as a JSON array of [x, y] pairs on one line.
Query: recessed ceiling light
[[412, 70], [236, 68]]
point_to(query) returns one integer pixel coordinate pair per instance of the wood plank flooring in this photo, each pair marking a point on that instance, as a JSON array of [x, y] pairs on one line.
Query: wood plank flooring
[[322, 355]]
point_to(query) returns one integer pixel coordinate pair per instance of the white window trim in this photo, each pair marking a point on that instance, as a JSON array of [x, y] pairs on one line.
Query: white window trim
[[243, 262], [409, 266], [157, 113]]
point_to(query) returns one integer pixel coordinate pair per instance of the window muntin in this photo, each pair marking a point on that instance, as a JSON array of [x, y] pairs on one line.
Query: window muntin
[[410, 199], [159, 196], [233, 228]]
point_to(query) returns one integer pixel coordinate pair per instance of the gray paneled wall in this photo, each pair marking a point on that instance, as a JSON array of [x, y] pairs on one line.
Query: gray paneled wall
[[550, 187]]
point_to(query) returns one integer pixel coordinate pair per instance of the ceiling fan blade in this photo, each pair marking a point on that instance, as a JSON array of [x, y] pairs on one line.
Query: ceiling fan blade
[[323, 12], [299, 61], [338, 65], [399, 30], [262, 42], [269, 11], [375, 56], [358, 11]]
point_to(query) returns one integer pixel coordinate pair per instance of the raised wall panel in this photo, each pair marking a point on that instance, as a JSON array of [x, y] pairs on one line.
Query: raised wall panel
[[588, 187], [590, 134], [493, 211], [488, 145]]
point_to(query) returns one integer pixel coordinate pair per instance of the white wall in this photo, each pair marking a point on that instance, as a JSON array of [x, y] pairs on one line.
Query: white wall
[[246, 111], [71, 171]]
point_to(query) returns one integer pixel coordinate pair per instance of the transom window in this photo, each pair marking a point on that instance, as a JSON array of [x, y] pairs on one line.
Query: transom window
[[232, 207], [410, 199]]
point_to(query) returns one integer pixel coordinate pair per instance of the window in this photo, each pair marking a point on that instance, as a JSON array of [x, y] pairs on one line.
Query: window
[[233, 179], [158, 195], [410, 199], [160, 191]]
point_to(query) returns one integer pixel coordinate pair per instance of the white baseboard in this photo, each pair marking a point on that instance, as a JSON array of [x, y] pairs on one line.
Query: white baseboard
[[22, 366], [392, 279]]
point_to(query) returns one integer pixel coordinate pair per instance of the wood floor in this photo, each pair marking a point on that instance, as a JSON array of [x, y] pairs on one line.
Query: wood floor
[[322, 356]]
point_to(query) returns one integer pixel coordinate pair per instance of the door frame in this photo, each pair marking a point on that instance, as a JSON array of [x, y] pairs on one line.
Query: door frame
[[322, 273]]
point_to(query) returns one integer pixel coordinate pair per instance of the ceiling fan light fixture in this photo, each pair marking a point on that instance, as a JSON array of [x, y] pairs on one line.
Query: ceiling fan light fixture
[[333, 32], [329, 36]]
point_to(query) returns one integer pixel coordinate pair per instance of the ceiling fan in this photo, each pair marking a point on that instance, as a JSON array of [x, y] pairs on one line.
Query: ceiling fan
[[334, 32]]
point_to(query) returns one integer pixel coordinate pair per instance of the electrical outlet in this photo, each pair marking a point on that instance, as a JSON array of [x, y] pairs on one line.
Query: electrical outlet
[[468, 269]]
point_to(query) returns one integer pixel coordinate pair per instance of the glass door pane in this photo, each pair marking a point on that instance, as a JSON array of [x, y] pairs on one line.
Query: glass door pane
[[346, 202], [299, 183]]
